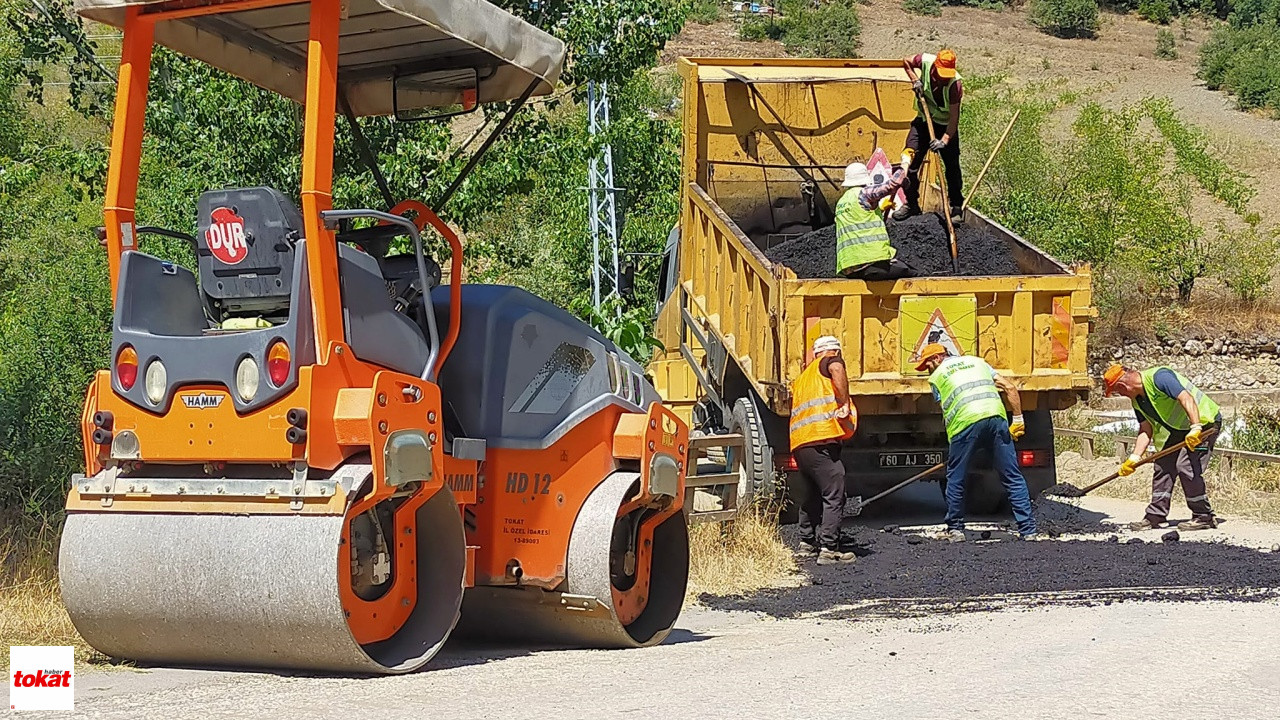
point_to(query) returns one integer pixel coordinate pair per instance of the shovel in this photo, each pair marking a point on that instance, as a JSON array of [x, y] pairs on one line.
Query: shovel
[[1072, 491], [854, 505], [942, 182]]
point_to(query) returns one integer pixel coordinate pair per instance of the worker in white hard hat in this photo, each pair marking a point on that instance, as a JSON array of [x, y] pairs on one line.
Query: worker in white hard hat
[[863, 249], [822, 418]]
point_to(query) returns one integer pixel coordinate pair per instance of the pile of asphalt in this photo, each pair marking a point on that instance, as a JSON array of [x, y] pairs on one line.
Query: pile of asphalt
[[1065, 489], [922, 243], [903, 575]]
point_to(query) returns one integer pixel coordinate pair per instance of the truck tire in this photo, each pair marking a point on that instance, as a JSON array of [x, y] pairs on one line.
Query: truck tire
[[759, 479]]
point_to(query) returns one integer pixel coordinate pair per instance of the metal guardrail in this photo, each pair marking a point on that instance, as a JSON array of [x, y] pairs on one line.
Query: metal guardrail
[[1126, 443], [723, 485]]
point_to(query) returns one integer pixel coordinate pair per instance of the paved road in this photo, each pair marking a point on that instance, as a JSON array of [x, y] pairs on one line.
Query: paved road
[[1131, 659]]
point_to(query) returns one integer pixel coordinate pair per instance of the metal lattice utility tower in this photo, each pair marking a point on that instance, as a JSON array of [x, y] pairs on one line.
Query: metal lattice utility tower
[[602, 209]]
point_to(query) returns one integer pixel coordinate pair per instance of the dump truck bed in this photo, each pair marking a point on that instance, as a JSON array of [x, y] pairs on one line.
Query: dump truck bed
[[766, 142]]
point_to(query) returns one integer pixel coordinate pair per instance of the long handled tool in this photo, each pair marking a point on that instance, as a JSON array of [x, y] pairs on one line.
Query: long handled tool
[[942, 182], [855, 504], [1072, 491], [973, 189]]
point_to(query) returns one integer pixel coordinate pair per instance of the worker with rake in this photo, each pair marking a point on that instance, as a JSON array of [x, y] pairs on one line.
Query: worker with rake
[[934, 78], [968, 389], [822, 418], [1170, 410]]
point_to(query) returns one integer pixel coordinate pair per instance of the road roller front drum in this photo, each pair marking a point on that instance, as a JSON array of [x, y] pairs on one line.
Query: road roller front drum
[[261, 590]]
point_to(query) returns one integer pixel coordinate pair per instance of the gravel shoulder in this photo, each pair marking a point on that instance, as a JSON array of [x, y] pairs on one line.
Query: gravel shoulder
[[1033, 659]]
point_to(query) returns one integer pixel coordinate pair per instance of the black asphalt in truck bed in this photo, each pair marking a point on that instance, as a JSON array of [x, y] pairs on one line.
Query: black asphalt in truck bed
[[897, 575], [921, 241]]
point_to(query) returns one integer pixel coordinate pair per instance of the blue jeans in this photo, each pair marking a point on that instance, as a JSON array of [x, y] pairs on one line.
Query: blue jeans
[[994, 433]]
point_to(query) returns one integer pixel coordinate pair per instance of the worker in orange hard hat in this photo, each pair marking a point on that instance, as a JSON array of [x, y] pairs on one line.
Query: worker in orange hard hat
[[935, 78], [968, 389], [1170, 410]]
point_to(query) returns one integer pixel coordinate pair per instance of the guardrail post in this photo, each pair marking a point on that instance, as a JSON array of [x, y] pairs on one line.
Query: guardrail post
[[1228, 466], [1086, 447]]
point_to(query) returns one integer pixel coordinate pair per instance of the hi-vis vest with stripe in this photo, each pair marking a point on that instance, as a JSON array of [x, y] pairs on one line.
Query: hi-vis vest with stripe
[[1171, 415], [813, 409], [940, 113], [967, 393], [860, 234]]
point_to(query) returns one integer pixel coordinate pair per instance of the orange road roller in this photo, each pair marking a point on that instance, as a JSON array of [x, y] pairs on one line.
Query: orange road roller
[[311, 453]]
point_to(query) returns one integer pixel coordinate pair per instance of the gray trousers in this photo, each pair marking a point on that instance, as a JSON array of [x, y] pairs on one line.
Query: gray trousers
[[1188, 467]]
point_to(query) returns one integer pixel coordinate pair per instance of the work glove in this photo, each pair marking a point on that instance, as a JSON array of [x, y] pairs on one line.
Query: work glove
[[907, 156], [938, 145], [1017, 428], [1194, 436], [917, 86], [886, 204], [842, 411], [1129, 466]]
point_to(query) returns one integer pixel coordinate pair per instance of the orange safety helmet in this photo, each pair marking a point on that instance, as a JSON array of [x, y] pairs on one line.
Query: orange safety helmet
[[929, 351]]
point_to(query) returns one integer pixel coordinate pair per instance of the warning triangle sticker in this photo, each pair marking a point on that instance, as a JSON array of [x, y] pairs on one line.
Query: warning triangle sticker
[[938, 330]]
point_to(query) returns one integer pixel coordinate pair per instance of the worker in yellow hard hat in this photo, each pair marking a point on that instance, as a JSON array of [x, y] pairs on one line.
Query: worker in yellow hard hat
[[934, 77], [822, 418], [968, 389], [1170, 410], [863, 249]]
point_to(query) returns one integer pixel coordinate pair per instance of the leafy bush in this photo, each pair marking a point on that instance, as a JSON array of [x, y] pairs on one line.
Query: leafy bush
[[1166, 46], [1066, 18], [830, 30], [705, 12], [1157, 11], [631, 330], [759, 27], [1261, 433], [1247, 269], [932, 8], [1246, 13], [1241, 61]]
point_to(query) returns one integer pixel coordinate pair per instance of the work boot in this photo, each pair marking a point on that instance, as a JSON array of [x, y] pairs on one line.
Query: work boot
[[827, 556], [807, 549], [1034, 537], [1204, 523], [905, 212], [957, 214], [1144, 524], [954, 536]]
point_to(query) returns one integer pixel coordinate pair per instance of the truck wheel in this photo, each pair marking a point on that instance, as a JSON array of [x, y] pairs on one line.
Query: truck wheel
[[759, 479]]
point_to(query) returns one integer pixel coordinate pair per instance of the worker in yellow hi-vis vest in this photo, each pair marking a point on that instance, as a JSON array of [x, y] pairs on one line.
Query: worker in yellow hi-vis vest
[[935, 78], [822, 418], [969, 391], [863, 249], [1170, 410]]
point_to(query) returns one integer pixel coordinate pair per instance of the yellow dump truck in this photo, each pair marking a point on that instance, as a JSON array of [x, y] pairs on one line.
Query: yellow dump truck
[[765, 146]]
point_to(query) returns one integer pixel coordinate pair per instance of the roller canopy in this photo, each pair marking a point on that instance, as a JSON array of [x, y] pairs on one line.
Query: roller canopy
[[379, 38]]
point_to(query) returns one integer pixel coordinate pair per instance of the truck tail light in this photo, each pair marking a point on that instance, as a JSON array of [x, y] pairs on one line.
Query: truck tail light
[[785, 461], [1033, 458], [278, 361], [127, 367]]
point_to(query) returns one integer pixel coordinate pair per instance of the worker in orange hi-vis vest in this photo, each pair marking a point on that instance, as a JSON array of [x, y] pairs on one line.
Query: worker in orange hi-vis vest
[[822, 418]]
